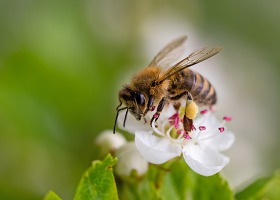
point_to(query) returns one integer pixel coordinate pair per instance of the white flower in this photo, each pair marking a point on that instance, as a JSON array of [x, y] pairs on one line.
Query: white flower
[[129, 159], [200, 148], [109, 142]]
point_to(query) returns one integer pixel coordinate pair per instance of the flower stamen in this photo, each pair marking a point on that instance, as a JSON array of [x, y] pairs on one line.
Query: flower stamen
[[221, 129], [227, 118], [202, 128], [187, 136], [168, 132], [203, 111], [174, 120], [155, 127]]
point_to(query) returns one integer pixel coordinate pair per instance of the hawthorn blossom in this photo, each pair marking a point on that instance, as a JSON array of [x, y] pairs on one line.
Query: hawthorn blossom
[[201, 148], [130, 160], [109, 142]]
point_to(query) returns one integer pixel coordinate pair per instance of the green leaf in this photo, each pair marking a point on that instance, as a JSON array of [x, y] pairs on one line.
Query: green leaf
[[213, 187], [264, 188], [52, 196], [169, 190], [98, 181], [176, 183], [187, 184], [137, 188], [175, 180]]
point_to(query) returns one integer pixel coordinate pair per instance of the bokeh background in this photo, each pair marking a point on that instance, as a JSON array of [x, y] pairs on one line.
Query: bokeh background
[[63, 62]]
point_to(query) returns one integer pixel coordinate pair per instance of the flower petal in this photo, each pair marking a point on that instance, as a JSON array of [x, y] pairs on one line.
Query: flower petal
[[155, 149], [220, 142], [209, 121], [108, 142], [129, 159], [203, 160], [132, 124]]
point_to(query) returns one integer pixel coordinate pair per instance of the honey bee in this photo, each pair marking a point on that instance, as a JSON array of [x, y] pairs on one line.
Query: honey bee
[[155, 87]]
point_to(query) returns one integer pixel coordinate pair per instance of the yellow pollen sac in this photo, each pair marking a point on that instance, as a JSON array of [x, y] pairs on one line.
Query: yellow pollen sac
[[191, 109]]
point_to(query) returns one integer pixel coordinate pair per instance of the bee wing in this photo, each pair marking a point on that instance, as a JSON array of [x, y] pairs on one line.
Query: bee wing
[[171, 58], [169, 53], [194, 58]]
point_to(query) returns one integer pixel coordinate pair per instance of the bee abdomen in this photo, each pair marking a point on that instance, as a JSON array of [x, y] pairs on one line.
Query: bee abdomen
[[189, 81], [202, 90]]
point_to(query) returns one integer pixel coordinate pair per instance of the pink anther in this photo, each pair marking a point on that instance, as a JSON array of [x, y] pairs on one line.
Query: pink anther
[[203, 111], [227, 118], [174, 120], [202, 128], [187, 136], [221, 129]]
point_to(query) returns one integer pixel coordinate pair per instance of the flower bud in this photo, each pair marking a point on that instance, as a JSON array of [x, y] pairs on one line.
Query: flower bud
[[129, 160], [109, 142]]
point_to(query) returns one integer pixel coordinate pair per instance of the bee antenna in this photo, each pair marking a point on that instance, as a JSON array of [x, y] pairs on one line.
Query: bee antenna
[[125, 117], [119, 106], [115, 124]]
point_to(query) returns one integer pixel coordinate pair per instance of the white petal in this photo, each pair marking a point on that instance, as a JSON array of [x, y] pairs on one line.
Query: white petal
[[208, 120], [108, 142], [129, 159], [154, 149], [220, 142], [212, 125], [132, 124], [198, 121], [204, 161]]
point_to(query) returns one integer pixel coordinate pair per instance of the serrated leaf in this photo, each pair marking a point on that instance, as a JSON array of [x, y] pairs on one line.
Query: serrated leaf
[[52, 196], [98, 181], [264, 188]]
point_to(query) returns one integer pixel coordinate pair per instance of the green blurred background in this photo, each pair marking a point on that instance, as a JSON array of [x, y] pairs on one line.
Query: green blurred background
[[63, 62]]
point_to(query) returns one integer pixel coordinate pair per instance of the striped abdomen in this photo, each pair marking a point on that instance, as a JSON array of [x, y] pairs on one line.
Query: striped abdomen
[[200, 88]]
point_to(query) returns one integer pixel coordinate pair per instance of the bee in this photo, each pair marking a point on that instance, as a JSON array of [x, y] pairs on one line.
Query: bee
[[154, 87]]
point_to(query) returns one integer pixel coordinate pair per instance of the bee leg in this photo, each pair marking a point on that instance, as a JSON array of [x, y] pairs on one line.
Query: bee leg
[[159, 109], [188, 124]]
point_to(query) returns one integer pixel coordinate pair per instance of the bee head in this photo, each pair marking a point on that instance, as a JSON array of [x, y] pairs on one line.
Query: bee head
[[135, 101]]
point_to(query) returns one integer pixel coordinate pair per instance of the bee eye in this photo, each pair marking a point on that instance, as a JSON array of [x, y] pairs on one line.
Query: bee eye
[[140, 99]]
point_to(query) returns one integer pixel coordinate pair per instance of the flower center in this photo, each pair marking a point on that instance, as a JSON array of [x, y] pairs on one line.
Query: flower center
[[173, 128]]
